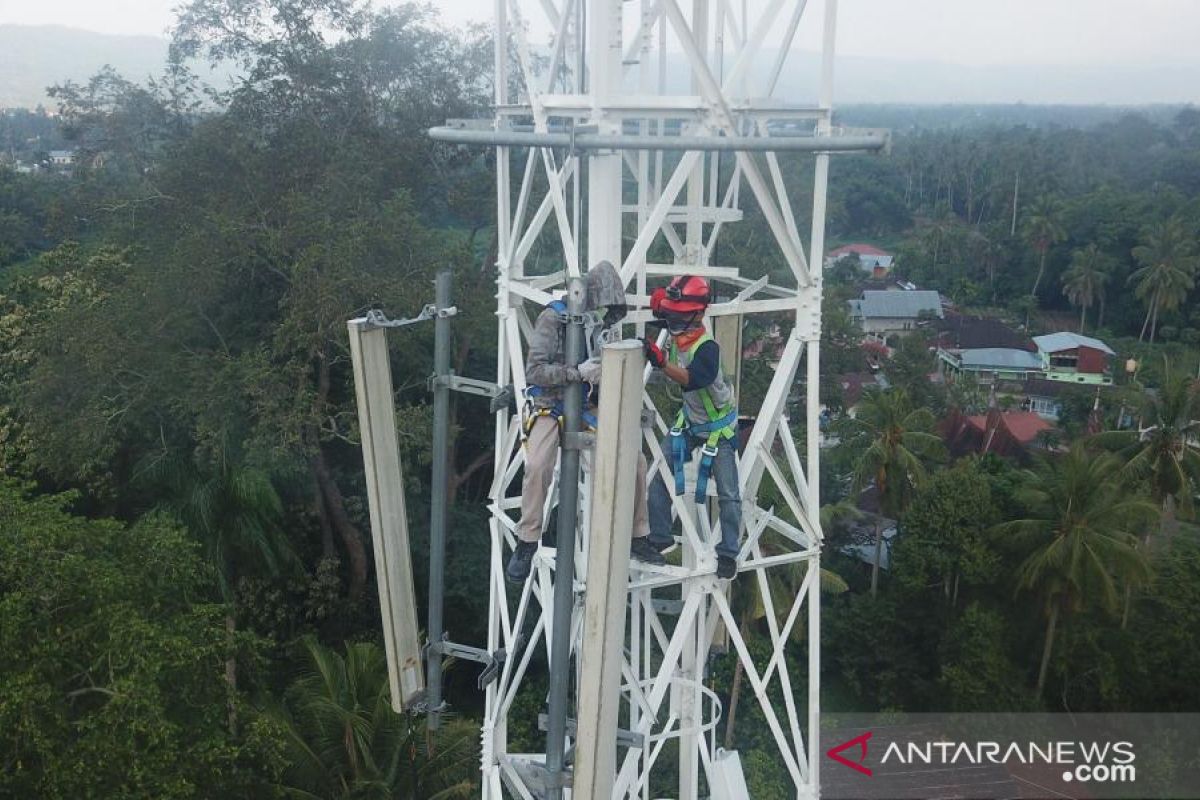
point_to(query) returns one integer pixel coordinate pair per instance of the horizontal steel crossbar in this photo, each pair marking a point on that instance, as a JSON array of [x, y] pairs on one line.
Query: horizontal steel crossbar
[[857, 143]]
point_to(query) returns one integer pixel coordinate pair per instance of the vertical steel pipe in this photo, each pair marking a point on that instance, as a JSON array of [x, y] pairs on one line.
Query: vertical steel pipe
[[439, 495], [564, 561]]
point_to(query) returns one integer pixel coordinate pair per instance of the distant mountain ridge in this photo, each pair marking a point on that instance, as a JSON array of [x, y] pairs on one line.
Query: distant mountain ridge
[[33, 58]]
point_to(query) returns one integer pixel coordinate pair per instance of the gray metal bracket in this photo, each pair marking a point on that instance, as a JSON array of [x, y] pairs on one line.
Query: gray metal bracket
[[536, 777], [502, 400], [624, 738], [492, 662], [467, 385], [583, 440], [377, 319]]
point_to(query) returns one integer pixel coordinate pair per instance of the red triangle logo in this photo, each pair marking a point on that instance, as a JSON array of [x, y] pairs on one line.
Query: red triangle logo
[[861, 742]]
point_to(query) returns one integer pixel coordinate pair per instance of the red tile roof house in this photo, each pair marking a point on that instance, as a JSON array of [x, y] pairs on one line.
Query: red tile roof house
[[871, 259], [1013, 434]]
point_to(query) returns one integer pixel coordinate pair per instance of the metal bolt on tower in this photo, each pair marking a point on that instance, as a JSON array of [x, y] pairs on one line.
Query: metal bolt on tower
[[635, 132]]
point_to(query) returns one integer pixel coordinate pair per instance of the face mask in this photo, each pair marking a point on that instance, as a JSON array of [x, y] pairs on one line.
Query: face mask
[[678, 324], [614, 315]]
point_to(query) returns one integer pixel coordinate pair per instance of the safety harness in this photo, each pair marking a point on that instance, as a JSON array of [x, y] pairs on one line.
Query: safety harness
[[722, 424], [533, 412]]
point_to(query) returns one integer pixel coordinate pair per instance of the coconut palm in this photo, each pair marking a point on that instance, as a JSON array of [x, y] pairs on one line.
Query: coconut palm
[[1078, 537], [1169, 264], [1043, 230], [1085, 279], [1165, 453], [895, 442], [345, 741]]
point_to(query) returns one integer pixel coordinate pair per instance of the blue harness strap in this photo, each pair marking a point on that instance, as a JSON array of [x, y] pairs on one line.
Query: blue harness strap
[[556, 411], [711, 432], [680, 453]]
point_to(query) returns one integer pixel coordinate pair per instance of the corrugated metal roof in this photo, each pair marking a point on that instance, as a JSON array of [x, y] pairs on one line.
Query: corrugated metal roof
[[962, 332], [1001, 358], [900, 305], [1064, 340]]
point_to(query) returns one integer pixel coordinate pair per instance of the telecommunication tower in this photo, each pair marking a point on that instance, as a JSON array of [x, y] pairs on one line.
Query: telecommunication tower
[[639, 130]]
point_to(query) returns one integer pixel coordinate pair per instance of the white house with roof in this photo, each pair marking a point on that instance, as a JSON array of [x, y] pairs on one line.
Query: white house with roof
[[62, 158], [870, 258], [884, 312]]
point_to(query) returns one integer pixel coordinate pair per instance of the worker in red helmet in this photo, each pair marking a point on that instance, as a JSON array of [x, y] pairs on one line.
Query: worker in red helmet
[[707, 419]]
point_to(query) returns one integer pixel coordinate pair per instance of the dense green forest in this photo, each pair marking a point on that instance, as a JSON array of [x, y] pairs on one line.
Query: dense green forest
[[186, 591]]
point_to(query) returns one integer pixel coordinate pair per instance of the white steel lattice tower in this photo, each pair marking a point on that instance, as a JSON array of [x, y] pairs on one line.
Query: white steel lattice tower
[[602, 147]]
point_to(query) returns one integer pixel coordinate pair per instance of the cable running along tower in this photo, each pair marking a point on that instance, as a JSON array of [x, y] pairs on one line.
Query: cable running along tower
[[645, 127]]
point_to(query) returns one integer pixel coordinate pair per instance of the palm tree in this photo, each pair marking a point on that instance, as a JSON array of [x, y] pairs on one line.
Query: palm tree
[[233, 511], [896, 441], [1168, 272], [345, 741], [1166, 453], [1078, 537], [1043, 230], [1084, 280]]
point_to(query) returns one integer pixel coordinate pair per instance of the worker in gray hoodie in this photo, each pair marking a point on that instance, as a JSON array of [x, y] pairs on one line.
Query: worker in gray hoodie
[[547, 374]]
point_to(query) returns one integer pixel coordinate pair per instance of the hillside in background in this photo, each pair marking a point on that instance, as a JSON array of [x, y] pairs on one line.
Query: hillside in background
[[33, 58]]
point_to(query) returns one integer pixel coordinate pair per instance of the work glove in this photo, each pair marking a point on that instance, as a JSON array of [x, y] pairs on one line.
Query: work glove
[[589, 371], [654, 354]]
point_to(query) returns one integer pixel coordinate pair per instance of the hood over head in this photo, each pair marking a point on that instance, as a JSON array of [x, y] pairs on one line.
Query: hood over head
[[604, 287]]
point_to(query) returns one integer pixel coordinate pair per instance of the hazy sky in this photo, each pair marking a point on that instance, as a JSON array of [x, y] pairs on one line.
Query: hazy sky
[[970, 32]]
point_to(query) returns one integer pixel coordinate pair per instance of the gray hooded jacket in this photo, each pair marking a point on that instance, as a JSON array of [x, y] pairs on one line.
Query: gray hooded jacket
[[545, 364]]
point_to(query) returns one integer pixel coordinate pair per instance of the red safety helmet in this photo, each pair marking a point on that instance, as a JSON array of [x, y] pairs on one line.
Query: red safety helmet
[[686, 294]]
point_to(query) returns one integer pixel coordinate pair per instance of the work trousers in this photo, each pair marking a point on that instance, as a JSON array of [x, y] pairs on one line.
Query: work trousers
[[729, 502], [541, 451]]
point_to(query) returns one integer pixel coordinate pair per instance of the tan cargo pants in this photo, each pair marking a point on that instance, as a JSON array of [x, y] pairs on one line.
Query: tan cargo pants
[[541, 451]]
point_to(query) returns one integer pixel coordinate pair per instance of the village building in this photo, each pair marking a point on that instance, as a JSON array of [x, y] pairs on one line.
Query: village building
[[871, 260], [1075, 358], [880, 313], [1012, 434]]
